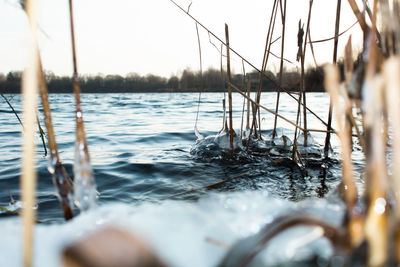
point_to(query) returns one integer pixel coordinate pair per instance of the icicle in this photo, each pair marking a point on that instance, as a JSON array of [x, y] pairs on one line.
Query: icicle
[[85, 186], [198, 134]]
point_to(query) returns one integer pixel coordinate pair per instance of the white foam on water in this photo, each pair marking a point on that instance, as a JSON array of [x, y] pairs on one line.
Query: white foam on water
[[177, 230]]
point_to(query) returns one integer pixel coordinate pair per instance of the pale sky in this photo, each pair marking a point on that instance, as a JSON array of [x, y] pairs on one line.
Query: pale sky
[[154, 36]]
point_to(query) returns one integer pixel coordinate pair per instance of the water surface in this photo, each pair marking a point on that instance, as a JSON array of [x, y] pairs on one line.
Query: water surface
[[140, 148]]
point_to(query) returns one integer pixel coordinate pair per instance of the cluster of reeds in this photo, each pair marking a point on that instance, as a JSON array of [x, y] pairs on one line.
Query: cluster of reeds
[[370, 231], [84, 187], [254, 106], [369, 235], [372, 221], [377, 224]]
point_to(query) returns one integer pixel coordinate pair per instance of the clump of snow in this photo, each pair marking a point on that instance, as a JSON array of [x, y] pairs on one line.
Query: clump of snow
[[175, 230]]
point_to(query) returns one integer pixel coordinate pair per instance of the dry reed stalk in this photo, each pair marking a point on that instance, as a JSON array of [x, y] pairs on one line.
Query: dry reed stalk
[[302, 76], [228, 73], [302, 91], [376, 226], [217, 242], [254, 121], [335, 48], [386, 18], [13, 110], [201, 77], [278, 94], [41, 132], [239, 255], [360, 17], [267, 48], [222, 42], [248, 62], [348, 61], [85, 188], [359, 135], [348, 74], [332, 85], [267, 43], [210, 186], [392, 96], [244, 100], [109, 247], [248, 103], [373, 15], [396, 26], [28, 179], [223, 117], [312, 49], [274, 113], [223, 86], [297, 126], [338, 35], [254, 127], [60, 176], [22, 125]]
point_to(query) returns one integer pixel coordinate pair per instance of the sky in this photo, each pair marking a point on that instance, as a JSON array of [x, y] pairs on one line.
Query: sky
[[154, 36]]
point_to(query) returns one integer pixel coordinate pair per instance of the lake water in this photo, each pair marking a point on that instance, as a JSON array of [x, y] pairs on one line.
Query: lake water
[[143, 152]]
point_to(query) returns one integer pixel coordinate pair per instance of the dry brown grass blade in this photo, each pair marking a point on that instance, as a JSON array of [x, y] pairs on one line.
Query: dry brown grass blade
[[28, 179]]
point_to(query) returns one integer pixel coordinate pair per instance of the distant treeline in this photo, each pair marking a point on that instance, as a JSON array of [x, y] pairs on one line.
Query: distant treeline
[[210, 80]]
